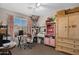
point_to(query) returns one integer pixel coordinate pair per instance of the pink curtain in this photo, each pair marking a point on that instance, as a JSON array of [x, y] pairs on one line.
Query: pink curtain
[[11, 25]]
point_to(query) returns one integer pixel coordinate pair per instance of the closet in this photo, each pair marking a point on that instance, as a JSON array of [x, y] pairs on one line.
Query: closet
[[67, 33]]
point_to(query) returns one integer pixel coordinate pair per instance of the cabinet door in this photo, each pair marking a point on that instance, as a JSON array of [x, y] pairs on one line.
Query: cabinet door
[[52, 42], [62, 27], [46, 41], [74, 26]]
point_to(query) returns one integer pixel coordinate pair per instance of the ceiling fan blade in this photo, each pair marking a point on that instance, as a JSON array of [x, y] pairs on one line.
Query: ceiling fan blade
[[46, 5]]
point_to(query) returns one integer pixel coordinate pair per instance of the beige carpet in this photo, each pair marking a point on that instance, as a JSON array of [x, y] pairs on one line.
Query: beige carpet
[[36, 50]]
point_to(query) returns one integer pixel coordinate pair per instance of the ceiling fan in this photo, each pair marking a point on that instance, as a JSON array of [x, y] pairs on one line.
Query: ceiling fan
[[37, 5]]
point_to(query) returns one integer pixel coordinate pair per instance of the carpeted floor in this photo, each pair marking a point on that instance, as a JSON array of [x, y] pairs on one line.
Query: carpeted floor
[[36, 50]]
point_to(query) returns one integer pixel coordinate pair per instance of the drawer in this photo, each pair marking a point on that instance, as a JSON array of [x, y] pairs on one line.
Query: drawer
[[76, 42], [69, 41], [65, 49], [59, 48], [46, 41], [65, 44], [66, 40], [77, 47], [76, 52], [59, 39], [68, 50], [52, 42]]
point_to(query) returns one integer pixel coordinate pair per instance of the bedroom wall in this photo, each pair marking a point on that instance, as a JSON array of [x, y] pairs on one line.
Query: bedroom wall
[[42, 19], [4, 14]]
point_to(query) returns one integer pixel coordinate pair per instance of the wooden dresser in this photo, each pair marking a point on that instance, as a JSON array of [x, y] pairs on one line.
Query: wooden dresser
[[67, 33]]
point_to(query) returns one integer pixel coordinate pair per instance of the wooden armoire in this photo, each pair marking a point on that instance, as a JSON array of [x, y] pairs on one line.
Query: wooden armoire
[[67, 32]]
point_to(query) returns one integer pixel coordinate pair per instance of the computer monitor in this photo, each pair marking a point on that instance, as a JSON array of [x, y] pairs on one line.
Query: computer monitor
[[1, 38], [21, 32]]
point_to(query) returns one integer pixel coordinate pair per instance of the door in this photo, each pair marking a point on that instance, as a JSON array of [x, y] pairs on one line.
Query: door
[[62, 28], [74, 26]]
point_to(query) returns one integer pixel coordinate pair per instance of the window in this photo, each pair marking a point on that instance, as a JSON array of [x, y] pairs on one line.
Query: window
[[20, 24]]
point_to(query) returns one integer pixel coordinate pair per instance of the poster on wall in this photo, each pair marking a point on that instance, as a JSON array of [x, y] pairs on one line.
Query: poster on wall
[[16, 24], [19, 24]]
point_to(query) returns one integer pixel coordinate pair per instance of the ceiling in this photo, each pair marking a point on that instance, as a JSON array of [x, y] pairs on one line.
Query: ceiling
[[32, 9]]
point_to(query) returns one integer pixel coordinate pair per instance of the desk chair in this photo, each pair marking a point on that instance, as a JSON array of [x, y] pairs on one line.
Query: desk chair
[[28, 42]]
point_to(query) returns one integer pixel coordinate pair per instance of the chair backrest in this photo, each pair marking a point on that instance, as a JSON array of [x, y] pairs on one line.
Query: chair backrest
[[24, 39]]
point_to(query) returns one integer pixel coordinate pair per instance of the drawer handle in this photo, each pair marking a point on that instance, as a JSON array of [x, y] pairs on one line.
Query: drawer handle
[[69, 26], [73, 50], [74, 26], [65, 26]]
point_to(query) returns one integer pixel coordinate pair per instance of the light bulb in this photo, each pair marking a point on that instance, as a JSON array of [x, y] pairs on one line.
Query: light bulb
[[38, 4]]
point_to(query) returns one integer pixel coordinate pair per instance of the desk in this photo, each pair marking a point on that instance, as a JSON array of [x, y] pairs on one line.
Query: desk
[[7, 47], [19, 41]]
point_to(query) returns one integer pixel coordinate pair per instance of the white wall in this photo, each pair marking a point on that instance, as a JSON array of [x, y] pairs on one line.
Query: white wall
[[42, 19], [5, 13], [54, 9]]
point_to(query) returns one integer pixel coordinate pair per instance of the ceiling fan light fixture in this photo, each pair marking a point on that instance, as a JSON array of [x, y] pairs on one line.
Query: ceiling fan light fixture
[[38, 4]]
